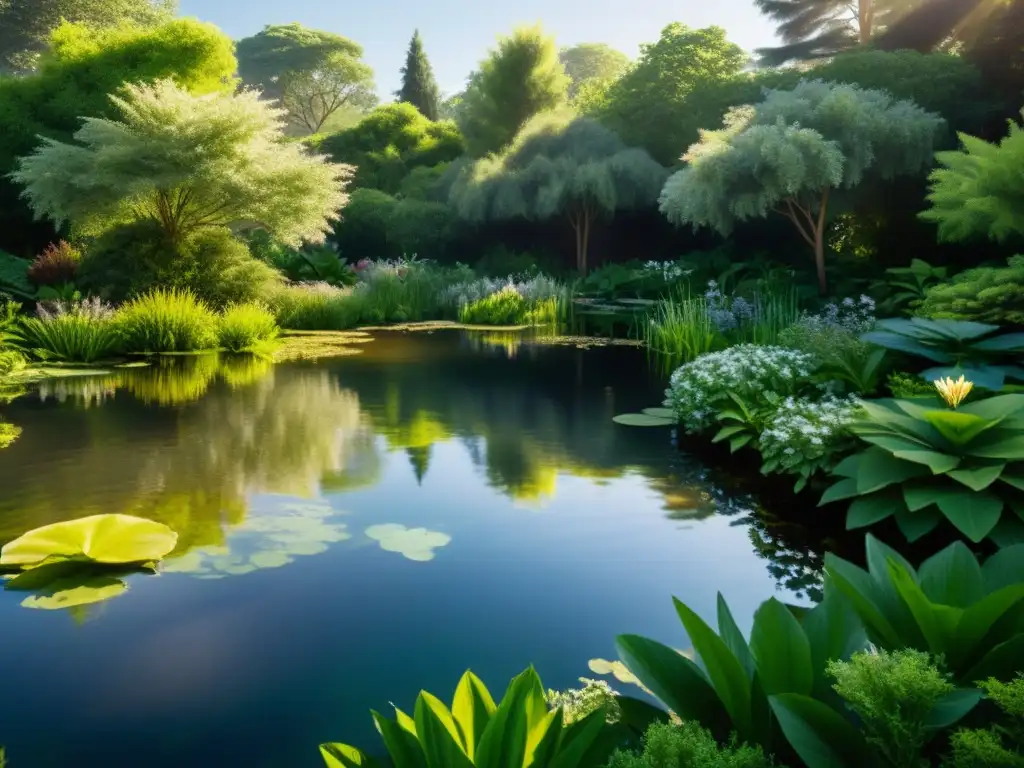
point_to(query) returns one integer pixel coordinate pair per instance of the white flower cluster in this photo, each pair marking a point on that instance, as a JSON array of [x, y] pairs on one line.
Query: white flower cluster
[[670, 271], [699, 387], [533, 289], [854, 316], [804, 433], [578, 703], [92, 308]]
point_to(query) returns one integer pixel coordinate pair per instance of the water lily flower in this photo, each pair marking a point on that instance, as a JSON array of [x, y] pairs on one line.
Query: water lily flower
[[953, 392]]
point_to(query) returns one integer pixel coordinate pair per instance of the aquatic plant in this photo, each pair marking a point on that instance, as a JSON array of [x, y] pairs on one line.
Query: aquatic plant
[[518, 731], [166, 321], [681, 329], [316, 307], [926, 462], [758, 320], [246, 326], [74, 332], [503, 307], [412, 543]]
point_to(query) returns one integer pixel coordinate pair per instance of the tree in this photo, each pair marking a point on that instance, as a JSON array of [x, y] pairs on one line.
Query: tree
[[980, 190], [794, 152], [311, 73], [645, 104], [418, 85], [520, 78], [559, 164], [73, 81], [189, 163], [391, 142], [587, 62], [26, 25]]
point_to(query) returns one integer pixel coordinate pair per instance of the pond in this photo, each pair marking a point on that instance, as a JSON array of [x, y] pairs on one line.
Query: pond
[[352, 530]]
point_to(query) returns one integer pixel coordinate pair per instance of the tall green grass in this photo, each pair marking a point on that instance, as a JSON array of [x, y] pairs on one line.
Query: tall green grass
[[316, 307], [69, 337], [246, 327], [166, 321], [773, 312], [681, 329]]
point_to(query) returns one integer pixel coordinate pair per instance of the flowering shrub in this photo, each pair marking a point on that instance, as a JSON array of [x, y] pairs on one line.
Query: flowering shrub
[[532, 289], [759, 320], [577, 703], [669, 271], [700, 388], [56, 265], [806, 435], [92, 308]]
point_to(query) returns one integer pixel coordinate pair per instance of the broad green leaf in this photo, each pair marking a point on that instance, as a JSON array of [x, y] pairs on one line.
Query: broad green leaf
[[904, 344], [643, 420], [879, 469], [952, 577], [978, 477], [990, 377], [1004, 568], [879, 555], [661, 413], [844, 489], [848, 467], [472, 708], [676, 681], [999, 444], [919, 494], [781, 650], [1004, 342], [980, 617], [1008, 533], [577, 740], [868, 510], [405, 721], [739, 442], [818, 734], [954, 330], [974, 513], [76, 591], [864, 595], [113, 539], [503, 742], [937, 622], [343, 756], [726, 432], [402, 746], [438, 734], [995, 407], [914, 525], [834, 631], [952, 708], [723, 669], [1002, 662], [938, 463], [1013, 478], [733, 638], [959, 427], [544, 736], [638, 714]]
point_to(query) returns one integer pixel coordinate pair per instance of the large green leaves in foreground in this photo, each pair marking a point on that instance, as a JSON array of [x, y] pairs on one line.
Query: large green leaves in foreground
[[108, 539], [770, 690], [925, 462], [972, 615], [518, 732]]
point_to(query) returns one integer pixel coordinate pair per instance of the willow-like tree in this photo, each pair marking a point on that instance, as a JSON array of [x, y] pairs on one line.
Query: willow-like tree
[[979, 191], [187, 162], [419, 87], [559, 165], [520, 78], [794, 154], [312, 73]]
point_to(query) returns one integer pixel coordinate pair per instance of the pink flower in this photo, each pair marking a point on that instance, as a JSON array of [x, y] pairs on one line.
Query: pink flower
[[362, 264]]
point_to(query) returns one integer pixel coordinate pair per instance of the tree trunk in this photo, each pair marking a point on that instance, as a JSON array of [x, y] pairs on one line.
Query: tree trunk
[[586, 241], [819, 244], [576, 227], [865, 20], [811, 228]]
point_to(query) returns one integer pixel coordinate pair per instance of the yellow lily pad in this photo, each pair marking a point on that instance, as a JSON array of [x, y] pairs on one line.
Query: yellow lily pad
[[111, 539], [412, 543]]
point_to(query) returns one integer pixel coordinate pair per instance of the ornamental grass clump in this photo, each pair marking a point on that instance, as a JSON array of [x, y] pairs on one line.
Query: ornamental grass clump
[[246, 327], [166, 321], [71, 332], [503, 307], [315, 307]]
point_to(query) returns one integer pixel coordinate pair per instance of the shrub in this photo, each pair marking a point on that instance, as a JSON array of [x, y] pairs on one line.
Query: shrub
[[688, 746], [577, 703], [893, 694], [70, 332], [988, 748], [904, 385], [503, 307], [699, 388], [166, 320], [11, 361], [315, 307], [316, 263], [219, 269], [56, 265], [985, 295], [245, 326], [362, 231]]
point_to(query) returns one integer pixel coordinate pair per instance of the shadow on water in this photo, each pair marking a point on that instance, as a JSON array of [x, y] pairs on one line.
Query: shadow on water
[[308, 498]]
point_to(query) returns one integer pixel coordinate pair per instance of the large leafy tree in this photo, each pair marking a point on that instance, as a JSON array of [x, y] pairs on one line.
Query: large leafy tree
[[312, 73], [390, 143], [796, 153], [188, 163], [589, 62], [26, 25], [74, 79], [520, 78], [979, 191], [559, 165], [645, 105], [419, 87]]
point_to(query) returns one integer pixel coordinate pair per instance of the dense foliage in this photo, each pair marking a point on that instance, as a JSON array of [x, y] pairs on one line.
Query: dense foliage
[[984, 294], [419, 87], [591, 63]]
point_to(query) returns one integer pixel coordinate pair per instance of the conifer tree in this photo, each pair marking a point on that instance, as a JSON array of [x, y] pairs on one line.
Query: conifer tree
[[419, 87]]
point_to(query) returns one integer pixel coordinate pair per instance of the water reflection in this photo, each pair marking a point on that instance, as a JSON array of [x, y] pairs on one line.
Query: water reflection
[[249, 462]]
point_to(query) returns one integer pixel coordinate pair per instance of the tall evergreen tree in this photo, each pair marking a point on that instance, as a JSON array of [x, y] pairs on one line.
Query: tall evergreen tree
[[419, 87]]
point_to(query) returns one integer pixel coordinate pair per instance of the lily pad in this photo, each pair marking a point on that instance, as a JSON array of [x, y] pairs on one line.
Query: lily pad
[[412, 543], [664, 413], [642, 420], [111, 539], [74, 593]]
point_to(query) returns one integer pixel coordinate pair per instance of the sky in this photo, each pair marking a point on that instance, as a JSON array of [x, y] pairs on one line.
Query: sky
[[458, 33]]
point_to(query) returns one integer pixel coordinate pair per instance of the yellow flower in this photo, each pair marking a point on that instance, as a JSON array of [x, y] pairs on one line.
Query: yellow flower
[[953, 392]]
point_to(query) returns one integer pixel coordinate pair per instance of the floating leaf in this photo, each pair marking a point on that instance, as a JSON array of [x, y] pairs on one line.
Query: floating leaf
[[643, 420], [662, 413], [73, 592], [412, 543], [109, 539]]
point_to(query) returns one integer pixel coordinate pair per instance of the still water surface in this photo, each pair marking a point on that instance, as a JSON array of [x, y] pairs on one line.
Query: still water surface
[[350, 531]]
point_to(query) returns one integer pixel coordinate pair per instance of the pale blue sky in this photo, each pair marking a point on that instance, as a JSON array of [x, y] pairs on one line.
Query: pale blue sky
[[458, 33]]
